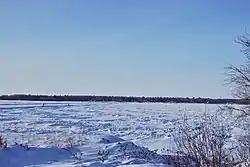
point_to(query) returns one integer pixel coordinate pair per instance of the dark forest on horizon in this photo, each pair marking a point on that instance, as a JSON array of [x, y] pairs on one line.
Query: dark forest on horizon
[[86, 98]]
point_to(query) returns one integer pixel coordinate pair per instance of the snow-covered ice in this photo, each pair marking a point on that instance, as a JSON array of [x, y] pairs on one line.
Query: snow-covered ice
[[74, 134]]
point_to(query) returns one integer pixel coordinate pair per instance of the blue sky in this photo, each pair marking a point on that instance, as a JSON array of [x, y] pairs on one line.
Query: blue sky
[[111, 47]]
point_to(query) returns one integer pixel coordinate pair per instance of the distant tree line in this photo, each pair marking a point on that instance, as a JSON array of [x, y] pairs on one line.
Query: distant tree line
[[123, 99]]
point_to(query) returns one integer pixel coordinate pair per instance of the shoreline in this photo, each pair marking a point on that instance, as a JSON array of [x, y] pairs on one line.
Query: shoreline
[[89, 98]]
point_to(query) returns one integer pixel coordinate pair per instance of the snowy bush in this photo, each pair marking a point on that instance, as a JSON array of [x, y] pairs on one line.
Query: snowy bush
[[209, 143]]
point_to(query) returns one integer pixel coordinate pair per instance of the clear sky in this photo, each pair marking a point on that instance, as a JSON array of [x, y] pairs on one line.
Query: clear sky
[[115, 47]]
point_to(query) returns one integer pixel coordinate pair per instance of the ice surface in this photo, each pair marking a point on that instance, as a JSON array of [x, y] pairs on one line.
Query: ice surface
[[98, 134]]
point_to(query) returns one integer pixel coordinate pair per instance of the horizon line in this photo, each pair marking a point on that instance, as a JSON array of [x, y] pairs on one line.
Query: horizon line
[[84, 95]]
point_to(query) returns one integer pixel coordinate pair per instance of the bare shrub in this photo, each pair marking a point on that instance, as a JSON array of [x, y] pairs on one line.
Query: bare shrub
[[206, 144], [69, 140], [239, 77], [243, 150], [3, 143]]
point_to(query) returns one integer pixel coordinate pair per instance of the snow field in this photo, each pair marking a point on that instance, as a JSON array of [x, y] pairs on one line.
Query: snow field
[[92, 133]]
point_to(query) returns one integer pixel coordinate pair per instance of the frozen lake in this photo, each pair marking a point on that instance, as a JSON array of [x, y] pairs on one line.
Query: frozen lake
[[85, 124]]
